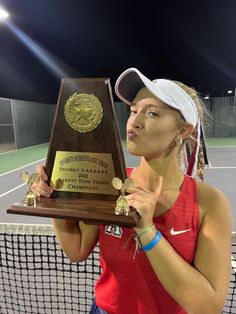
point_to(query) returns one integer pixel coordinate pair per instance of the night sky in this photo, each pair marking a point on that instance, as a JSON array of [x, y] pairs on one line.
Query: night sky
[[45, 40]]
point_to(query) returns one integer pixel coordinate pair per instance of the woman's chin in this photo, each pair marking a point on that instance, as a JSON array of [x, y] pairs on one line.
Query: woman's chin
[[134, 150]]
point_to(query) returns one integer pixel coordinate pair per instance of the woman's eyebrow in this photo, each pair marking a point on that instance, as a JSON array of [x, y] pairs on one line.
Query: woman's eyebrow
[[150, 106], [160, 107]]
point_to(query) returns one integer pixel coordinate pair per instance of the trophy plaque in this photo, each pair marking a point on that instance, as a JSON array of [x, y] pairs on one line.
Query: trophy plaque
[[85, 162]]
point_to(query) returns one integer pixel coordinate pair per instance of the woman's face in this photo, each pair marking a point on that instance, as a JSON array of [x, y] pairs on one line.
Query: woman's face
[[151, 127]]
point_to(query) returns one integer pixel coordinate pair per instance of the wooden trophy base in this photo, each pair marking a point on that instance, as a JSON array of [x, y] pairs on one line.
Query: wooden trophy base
[[85, 210]]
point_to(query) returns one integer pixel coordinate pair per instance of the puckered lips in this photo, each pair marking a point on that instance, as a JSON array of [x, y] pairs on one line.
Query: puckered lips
[[131, 134]]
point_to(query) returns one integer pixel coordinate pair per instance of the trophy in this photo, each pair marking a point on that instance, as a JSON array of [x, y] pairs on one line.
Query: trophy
[[122, 207], [85, 162], [30, 196]]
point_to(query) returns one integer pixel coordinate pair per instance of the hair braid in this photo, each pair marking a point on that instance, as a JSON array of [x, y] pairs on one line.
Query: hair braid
[[205, 117], [200, 163]]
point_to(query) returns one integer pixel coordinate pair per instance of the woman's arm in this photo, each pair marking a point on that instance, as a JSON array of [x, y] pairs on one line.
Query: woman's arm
[[200, 288], [76, 238]]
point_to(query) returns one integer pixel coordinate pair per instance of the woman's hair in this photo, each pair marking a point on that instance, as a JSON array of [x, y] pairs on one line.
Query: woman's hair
[[205, 117]]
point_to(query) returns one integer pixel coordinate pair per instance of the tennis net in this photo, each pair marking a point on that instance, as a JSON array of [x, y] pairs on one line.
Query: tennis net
[[230, 304], [37, 278]]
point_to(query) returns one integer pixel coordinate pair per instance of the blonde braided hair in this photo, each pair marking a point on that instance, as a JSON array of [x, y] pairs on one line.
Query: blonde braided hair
[[205, 118]]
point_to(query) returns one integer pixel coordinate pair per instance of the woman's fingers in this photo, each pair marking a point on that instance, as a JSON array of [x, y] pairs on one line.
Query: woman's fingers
[[41, 188], [142, 201], [41, 171], [143, 204]]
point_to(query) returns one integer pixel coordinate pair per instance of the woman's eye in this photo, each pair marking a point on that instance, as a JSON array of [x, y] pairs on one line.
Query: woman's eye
[[132, 112], [152, 113]]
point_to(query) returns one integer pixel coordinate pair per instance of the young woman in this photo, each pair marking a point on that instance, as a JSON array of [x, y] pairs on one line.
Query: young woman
[[178, 258]]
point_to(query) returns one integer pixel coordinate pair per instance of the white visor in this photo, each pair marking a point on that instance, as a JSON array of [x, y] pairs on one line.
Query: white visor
[[132, 80]]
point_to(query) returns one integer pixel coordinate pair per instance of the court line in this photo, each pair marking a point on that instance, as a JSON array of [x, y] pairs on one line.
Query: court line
[[12, 190], [5, 173]]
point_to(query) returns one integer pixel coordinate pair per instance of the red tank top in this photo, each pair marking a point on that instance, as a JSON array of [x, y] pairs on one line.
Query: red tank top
[[129, 285]]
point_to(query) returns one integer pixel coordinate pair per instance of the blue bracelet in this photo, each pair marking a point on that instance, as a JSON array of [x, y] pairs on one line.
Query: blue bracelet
[[153, 243]]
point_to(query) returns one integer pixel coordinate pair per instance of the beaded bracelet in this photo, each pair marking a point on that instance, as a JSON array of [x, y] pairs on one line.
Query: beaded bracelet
[[153, 243], [146, 231]]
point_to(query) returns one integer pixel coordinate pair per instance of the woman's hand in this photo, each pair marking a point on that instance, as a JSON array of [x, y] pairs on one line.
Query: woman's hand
[[41, 188], [144, 201]]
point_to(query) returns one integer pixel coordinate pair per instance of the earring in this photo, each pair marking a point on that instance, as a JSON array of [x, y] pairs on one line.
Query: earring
[[178, 140]]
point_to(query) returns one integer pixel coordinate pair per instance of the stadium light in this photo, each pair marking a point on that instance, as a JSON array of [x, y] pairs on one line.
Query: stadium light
[[207, 97], [3, 14], [230, 92]]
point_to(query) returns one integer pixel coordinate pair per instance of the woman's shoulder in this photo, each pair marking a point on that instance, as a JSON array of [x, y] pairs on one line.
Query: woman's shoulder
[[212, 200]]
